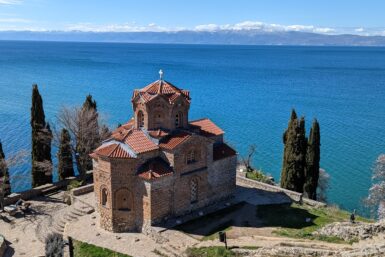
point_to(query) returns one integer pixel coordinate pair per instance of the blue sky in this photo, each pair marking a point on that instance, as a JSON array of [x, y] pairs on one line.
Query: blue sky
[[323, 16]]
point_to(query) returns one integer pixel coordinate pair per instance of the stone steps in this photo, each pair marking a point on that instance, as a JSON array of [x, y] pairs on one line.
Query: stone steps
[[57, 223]]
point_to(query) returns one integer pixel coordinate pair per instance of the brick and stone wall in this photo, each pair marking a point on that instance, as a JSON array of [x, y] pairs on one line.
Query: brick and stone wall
[[222, 177]]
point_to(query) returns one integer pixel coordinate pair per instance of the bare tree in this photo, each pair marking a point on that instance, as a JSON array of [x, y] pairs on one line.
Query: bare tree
[[86, 133], [14, 160], [376, 199], [323, 185], [247, 161]]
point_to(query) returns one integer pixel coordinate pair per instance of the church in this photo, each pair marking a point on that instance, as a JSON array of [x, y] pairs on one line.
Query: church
[[160, 165]]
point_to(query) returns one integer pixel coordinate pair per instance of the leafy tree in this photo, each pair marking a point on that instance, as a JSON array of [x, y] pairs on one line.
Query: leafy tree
[[65, 166], [5, 186], [376, 198], [312, 161], [41, 142], [294, 159]]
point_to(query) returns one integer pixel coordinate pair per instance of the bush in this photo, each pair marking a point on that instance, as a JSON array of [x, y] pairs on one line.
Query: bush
[[74, 184], [260, 176], [54, 245]]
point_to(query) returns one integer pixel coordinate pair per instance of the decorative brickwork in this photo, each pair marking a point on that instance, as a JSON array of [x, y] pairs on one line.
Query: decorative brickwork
[[159, 165]]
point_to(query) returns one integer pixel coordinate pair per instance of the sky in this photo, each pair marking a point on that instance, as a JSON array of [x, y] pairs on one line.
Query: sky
[[363, 17]]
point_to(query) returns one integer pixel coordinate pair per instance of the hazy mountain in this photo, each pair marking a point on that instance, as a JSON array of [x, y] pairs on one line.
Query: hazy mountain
[[244, 37]]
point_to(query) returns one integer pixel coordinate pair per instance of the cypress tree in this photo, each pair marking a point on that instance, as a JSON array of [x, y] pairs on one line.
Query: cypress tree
[[312, 161], [89, 103], [89, 138], [65, 166], [294, 158], [4, 173], [41, 142]]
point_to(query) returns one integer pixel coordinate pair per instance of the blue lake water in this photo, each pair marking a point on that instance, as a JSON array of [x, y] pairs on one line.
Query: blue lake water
[[247, 90]]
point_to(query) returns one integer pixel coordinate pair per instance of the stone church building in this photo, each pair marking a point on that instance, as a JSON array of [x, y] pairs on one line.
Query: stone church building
[[160, 164]]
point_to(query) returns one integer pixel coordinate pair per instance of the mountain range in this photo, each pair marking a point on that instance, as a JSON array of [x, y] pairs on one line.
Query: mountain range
[[226, 37]]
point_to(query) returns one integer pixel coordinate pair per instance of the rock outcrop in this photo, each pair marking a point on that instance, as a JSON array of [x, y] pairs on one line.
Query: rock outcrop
[[348, 231]]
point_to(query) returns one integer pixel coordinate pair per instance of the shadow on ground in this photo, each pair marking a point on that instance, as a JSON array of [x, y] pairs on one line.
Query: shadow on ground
[[252, 211]]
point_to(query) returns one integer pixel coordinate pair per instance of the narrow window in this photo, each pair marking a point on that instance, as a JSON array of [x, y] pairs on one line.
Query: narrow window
[[190, 157], [194, 191], [140, 119], [104, 197], [179, 120]]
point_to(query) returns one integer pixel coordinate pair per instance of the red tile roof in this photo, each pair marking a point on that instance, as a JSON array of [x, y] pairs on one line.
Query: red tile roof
[[172, 141], [222, 151], [158, 133], [161, 87], [139, 142], [121, 132], [154, 168], [207, 127], [112, 150]]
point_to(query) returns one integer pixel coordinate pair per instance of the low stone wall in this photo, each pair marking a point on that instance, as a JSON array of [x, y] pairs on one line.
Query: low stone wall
[[83, 190], [3, 246], [295, 196], [41, 190], [313, 203]]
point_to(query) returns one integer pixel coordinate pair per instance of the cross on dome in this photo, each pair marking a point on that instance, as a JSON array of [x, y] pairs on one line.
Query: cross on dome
[[161, 74]]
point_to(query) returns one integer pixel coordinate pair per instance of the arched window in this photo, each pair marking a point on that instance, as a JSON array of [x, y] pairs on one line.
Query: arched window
[[194, 191], [191, 156], [179, 120], [140, 119], [104, 197], [123, 200]]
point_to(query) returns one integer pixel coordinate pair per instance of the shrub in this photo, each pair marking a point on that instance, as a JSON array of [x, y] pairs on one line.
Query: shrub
[[74, 184], [54, 245], [260, 176]]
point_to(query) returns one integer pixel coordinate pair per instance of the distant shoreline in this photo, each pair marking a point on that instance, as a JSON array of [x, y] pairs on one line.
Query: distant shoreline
[[231, 37], [190, 44]]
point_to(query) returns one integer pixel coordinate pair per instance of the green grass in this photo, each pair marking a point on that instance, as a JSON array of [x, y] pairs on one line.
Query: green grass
[[213, 251], [87, 250], [290, 220], [258, 176]]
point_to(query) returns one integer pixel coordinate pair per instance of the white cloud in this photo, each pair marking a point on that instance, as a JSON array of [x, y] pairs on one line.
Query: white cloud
[[10, 2], [13, 23], [261, 26], [125, 27]]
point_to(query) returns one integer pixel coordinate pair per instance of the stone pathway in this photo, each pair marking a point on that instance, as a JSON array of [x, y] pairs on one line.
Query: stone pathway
[[21, 231], [57, 222]]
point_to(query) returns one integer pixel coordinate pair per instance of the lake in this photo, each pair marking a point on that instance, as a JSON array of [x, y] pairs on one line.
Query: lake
[[248, 91]]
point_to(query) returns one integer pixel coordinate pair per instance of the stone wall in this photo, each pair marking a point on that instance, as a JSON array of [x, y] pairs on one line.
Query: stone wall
[[295, 196], [3, 246], [41, 190], [82, 190], [222, 177]]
